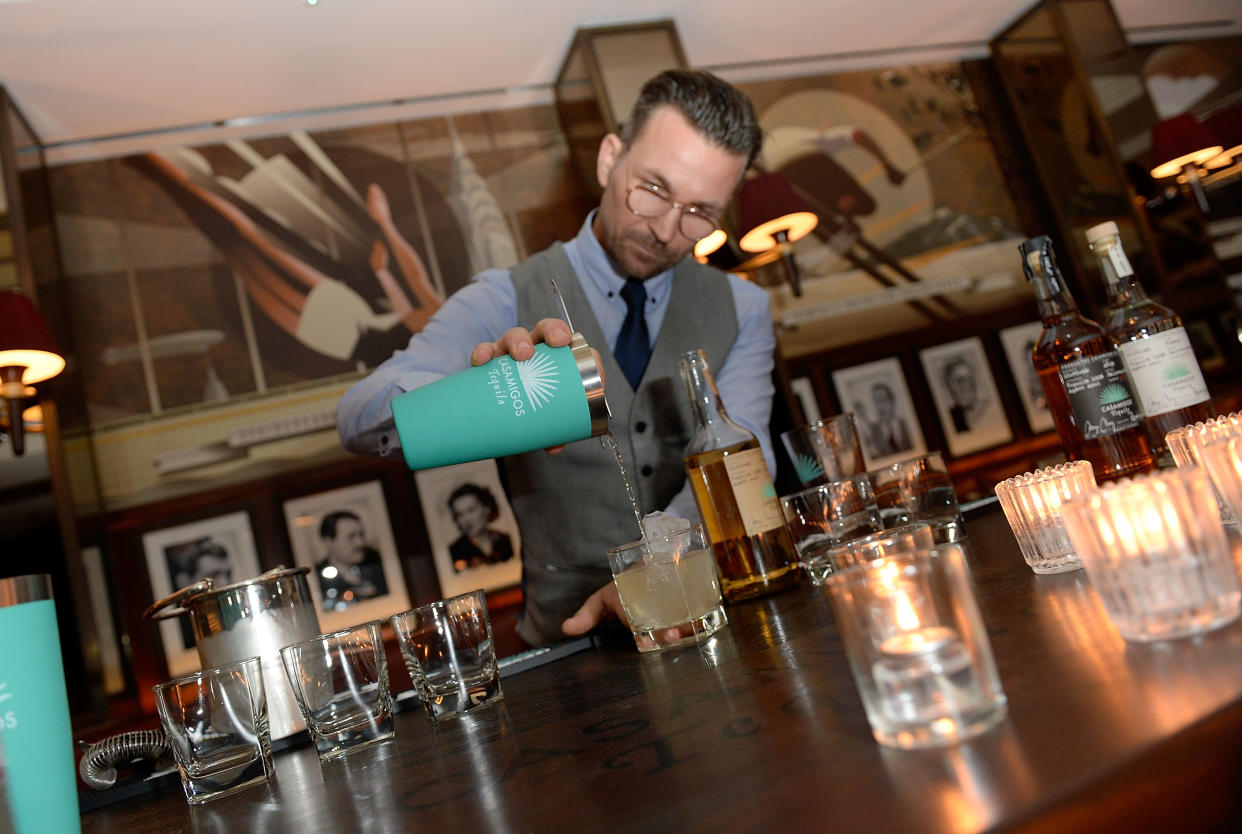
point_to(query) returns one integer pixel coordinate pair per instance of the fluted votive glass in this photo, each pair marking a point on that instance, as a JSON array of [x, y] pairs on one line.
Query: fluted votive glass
[[1186, 445], [1222, 459], [1032, 504], [1155, 550]]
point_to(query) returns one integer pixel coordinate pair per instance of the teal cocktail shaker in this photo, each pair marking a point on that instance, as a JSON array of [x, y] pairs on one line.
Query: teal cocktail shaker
[[34, 711], [504, 407]]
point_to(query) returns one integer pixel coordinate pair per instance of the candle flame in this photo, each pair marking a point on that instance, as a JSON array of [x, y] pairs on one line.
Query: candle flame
[[907, 617]]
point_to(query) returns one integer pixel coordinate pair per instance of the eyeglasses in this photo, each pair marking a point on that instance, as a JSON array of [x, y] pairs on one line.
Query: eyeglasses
[[648, 200]]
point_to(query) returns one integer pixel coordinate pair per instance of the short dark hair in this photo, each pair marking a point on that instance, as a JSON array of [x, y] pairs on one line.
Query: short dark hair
[[716, 108], [482, 493], [327, 527]]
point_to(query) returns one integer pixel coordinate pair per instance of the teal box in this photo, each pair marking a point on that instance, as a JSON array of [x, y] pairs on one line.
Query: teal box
[[34, 712]]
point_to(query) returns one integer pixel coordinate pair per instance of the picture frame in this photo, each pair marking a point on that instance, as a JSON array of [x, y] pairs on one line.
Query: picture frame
[[345, 537], [1017, 343], [221, 548], [879, 397], [967, 401], [455, 500]]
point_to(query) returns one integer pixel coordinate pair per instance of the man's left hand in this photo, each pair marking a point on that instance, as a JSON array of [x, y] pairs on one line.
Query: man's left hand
[[604, 604]]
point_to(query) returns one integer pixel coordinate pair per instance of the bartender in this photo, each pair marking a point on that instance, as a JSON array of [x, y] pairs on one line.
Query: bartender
[[633, 291]]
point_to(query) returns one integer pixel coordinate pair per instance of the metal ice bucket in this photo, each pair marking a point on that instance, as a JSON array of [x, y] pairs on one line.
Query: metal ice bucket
[[257, 617]]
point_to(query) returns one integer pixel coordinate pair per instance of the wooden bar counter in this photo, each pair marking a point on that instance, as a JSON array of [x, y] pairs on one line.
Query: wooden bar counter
[[764, 730]]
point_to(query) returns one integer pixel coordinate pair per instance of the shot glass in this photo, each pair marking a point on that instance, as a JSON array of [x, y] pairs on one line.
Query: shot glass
[[1187, 445], [669, 588], [216, 723], [1032, 504], [918, 489], [1155, 550], [917, 647], [896, 541], [340, 681], [823, 516], [1223, 461], [448, 650], [825, 450]]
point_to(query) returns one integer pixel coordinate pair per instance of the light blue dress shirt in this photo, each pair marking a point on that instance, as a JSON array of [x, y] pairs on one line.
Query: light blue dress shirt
[[485, 308]]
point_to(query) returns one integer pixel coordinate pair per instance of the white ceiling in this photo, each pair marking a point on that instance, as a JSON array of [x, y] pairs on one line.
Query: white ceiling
[[128, 72]]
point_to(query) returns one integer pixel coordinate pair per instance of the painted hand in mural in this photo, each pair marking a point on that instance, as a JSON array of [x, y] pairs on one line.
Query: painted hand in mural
[[322, 312]]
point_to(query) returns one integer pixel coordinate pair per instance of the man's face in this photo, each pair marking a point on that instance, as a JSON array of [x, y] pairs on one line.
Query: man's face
[[349, 546], [961, 382], [470, 514], [883, 400], [670, 153]]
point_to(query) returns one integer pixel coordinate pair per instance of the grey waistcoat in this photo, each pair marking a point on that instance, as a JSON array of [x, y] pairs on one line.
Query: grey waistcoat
[[572, 507]]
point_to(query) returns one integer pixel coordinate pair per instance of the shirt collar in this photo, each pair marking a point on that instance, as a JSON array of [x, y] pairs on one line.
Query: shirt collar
[[604, 273]]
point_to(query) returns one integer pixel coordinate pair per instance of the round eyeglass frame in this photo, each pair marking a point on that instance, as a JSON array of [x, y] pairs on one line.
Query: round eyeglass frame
[[688, 212]]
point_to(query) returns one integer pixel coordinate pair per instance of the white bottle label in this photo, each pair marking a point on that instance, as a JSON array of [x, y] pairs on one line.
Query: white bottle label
[[753, 491], [1120, 263], [1164, 372]]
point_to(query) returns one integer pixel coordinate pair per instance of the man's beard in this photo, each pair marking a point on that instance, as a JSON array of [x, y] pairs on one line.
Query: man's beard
[[634, 264]]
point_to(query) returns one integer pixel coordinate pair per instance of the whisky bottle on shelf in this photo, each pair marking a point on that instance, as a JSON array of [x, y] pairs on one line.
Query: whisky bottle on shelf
[[1095, 410], [1153, 344], [734, 493]]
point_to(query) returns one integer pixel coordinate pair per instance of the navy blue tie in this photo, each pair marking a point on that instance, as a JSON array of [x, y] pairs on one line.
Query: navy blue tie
[[633, 347]]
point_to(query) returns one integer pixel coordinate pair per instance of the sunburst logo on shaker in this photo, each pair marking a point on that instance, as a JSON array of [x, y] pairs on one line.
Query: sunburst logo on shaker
[[539, 377]]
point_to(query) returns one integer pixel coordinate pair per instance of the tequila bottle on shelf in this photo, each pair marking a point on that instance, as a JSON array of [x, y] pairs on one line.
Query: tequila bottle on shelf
[[1153, 344], [1096, 412], [734, 493]]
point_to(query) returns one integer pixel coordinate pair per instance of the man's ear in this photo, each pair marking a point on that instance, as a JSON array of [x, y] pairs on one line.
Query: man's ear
[[610, 150]]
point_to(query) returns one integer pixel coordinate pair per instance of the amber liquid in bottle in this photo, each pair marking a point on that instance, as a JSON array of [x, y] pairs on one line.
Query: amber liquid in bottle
[[1078, 368], [733, 491], [1153, 344], [750, 566]]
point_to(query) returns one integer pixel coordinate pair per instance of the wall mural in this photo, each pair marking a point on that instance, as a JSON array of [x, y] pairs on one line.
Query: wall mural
[[258, 278], [916, 223]]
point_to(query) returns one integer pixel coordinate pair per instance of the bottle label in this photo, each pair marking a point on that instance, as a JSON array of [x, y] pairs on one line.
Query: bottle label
[[1120, 262], [1100, 395], [1164, 371], [753, 491]]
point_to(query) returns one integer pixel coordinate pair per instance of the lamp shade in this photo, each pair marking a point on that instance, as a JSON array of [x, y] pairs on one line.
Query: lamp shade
[[770, 212], [25, 340], [1226, 127], [1178, 142]]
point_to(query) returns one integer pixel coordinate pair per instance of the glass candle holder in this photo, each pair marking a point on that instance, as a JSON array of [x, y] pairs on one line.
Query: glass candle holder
[[895, 541], [1032, 504], [1155, 550], [1187, 442], [917, 647], [1222, 458]]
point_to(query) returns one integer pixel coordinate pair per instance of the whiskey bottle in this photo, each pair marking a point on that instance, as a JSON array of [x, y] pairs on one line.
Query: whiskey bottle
[[1095, 410], [734, 493], [1153, 345]]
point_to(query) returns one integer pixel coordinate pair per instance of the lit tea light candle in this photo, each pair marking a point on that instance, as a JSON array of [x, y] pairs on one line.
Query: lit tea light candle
[[921, 642]]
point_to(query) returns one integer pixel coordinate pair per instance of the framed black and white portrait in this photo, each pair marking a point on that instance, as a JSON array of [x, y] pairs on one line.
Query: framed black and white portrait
[[474, 536], [1018, 342], [220, 549], [967, 402], [344, 536], [878, 395]]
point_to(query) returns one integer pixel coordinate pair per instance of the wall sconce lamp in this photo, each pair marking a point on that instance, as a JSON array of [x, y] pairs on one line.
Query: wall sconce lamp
[[1179, 145], [28, 355], [709, 244], [774, 218]]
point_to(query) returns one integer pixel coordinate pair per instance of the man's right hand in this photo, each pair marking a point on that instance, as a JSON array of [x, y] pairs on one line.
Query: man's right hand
[[519, 342]]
